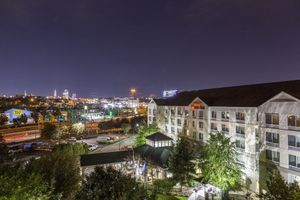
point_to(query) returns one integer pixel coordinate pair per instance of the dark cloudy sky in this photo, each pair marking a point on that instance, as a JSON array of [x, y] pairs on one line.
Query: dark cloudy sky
[[104, 47]]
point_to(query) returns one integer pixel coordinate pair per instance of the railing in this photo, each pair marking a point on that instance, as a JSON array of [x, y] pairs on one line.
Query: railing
[[272, 144]]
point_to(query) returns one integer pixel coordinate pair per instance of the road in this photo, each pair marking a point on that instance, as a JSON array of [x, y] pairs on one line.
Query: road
[[111, 147]]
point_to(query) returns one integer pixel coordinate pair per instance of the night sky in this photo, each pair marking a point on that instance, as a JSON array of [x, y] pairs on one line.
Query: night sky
[[104, 47]]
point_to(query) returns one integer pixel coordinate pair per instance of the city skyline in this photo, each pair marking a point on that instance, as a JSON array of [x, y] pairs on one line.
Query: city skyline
[[101, 48]]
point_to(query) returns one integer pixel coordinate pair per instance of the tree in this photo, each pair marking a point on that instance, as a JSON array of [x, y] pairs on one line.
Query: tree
[[126, 127], [218, 163], [23, 119], [278, 188], [17, 184], [180, 162], [61, 171], [71, 149], [144, 131], [77, 128], [4, 150], [3, 119], [35, 116], [110, 184], [49, 131], [163, 186]]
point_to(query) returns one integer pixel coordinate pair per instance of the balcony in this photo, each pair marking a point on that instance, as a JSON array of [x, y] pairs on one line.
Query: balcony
[[294, 168], [294, 128], [294, 148], [240, 135], [272, 126], [272, 144]]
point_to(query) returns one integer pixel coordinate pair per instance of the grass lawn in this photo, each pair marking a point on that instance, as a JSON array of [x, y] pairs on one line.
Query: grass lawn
[[169, 197]]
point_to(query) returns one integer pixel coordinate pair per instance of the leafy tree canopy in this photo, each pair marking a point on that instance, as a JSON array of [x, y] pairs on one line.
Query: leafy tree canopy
[[278, 188], [17, 184], [218, 163], [71, 149], [49, 131], [110, 184], [180, 162], [61, 171], [144, 131]]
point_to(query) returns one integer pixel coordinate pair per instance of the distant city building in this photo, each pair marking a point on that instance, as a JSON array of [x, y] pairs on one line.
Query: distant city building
[[66, 94], [262, 119], [16, 113], [74, 96], [55, 93], [169, 93]]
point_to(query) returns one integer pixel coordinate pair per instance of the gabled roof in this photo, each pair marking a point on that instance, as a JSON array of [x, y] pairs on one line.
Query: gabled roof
[[104, 158], [158, 155], [158, 136], [236, 96]]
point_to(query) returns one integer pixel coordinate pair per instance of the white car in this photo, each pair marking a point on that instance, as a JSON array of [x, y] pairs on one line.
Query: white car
[[103, 139], [92, 147]]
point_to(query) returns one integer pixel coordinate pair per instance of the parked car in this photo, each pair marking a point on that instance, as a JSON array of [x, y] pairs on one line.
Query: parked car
[[103, 139], [72, 139], [92, 147], [15, 149]]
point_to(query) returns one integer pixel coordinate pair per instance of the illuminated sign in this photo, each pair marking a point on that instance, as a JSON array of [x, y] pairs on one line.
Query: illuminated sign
[[197, 105], [169, 93], [17, 112]]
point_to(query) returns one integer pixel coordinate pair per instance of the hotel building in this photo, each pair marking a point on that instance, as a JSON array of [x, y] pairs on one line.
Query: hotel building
[[263, 120]]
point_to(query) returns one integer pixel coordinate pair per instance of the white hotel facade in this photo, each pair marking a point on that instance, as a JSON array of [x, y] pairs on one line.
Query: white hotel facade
[[263, 119]]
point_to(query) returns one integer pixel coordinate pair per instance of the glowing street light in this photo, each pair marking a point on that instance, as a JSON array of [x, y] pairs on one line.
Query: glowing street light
[[132, 91]]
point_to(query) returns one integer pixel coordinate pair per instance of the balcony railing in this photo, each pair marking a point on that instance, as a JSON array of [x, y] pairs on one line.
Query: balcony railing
[[294, 168], [294, 128], [272, 144], [294, 148], [240, 135]]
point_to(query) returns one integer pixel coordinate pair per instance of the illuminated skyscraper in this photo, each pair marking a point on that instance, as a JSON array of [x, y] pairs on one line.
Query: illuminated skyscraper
[[66, 94], [55, 93]]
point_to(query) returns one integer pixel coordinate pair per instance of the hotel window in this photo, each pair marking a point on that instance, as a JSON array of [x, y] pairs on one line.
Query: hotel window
[[194, 113], [172, 130], [200, 125], [225, 116], [172, 121], [240, 131], [272, 155], [201, 136], [186, 113], [179, 111], [178, 122], [213, 127], [201, 114], [213, 115], [225, 128], [272, 119], [294, 161], [240, 144], [240, 116], [294, 141], [166, 129], [172, 111], [293, 121], [194, 134], [178, 131], [193, 124], [272, 138], [257, 133], [240, 158]]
